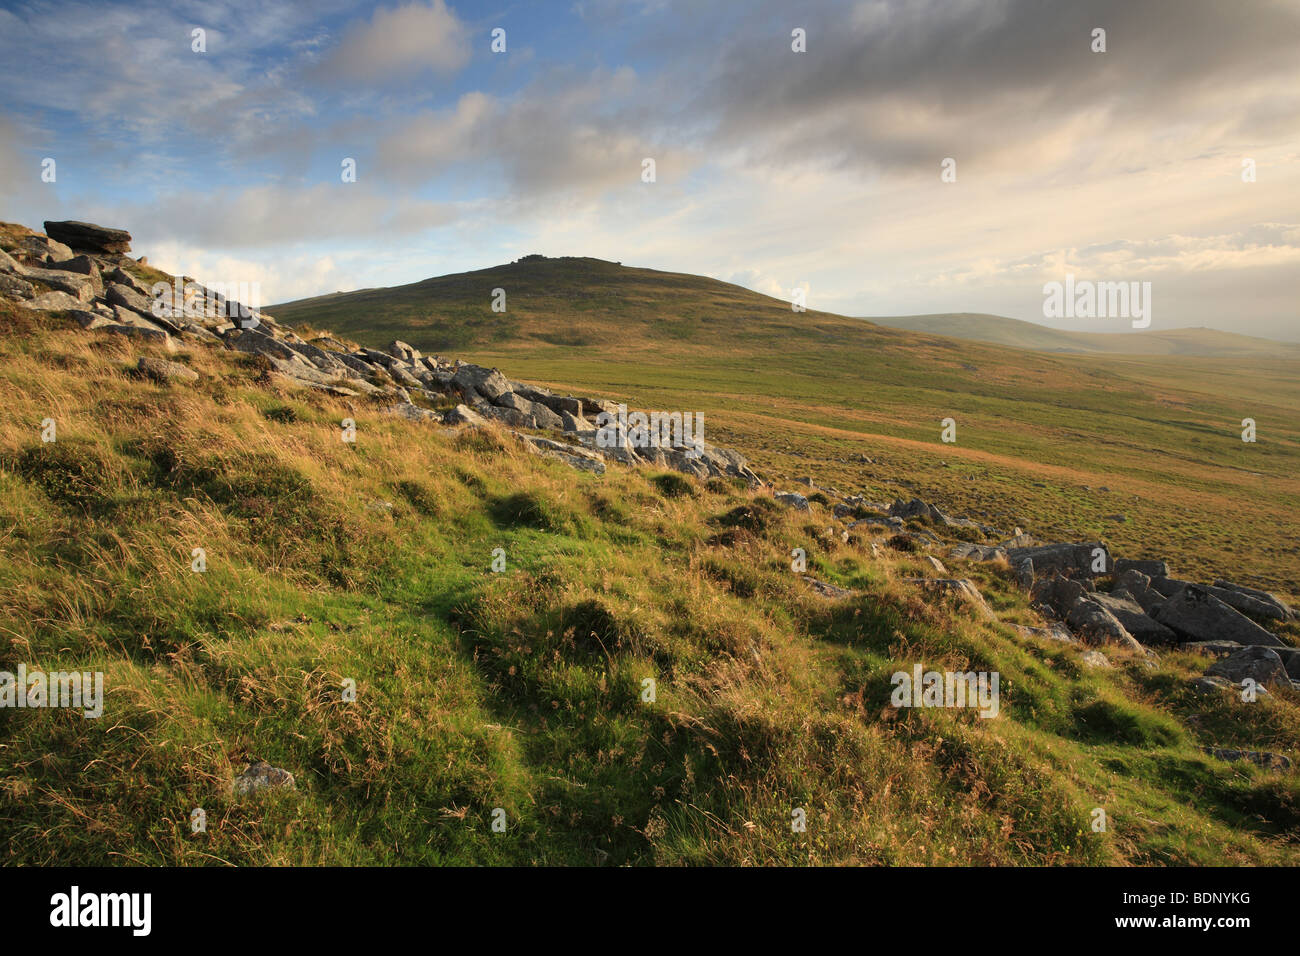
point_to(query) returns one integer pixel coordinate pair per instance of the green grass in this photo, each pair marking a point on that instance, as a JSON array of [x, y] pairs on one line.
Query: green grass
[[523, 690]]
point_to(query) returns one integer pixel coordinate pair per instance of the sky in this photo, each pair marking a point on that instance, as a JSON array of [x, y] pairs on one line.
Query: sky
[[915, 156]]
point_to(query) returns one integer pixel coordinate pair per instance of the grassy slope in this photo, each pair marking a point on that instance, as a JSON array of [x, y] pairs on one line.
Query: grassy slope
[[998, 330], [521, 690], [1039, 435]]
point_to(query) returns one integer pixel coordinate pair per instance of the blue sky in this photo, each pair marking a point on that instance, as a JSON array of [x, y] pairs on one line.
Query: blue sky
[[775, 168]]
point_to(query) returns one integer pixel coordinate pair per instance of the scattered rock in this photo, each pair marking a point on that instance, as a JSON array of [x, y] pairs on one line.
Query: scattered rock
[[1152, 568], [163, 371], [262, 776], [1262, 758], [793, 500], [1197, 615], [1258, 663]]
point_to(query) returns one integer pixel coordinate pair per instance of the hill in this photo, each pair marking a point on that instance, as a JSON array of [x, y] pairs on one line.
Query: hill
[[466, 653], [1050, 441], [998, 330]]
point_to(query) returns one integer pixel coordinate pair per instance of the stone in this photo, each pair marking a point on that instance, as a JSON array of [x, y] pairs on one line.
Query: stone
[[1246, 603], [1135, 620], [1257, 663], [1135, 585], [163, 371], [1076, 559], [9, 264], [44, 249], [1290, 660], [153, 336], [935, 564], [1095, 624], [792, 499], [1281, 606], [1196, 615], [261, 776], [401, 350], [1092, 658], [560, 404], [1151, 567], [412, 413], [1262, 758], [962, 589], [571, 455], [1053, 632], [53, 302], [15, 287], [826, 589], [1058, 593], [474, 379], [75, 284], [88, 237], [1210, 686], [974, 552], [259, 343], [463, 415]]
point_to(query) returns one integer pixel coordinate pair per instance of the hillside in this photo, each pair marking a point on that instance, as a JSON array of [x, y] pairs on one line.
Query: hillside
[[999, 330], [1054, 442], [621, 666]]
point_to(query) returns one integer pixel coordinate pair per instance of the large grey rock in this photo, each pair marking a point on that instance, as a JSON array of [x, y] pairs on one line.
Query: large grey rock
[[43, 249], [9, 264], [571, 455], [80, 287], [1076, 559], [1134, 584], [14, 287], [488, 382], [556, 403], [129, 298], [463, 415], [1135, 620], [916, 508], [1260, 664], [54, 302], [144, 333], [1290, 660], [793, 500], [259, 343], [88, 237], [1197, 615], [399, 349], [1151, 567], [1281, 606], [1058, 593], [1095, 624], [413, 413], [1270, 609]]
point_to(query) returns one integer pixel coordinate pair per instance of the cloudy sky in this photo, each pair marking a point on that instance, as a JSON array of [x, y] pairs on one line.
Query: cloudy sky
[[774, 168]]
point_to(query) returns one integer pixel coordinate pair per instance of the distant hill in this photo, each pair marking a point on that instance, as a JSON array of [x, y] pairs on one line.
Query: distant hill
[[999, 330]]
